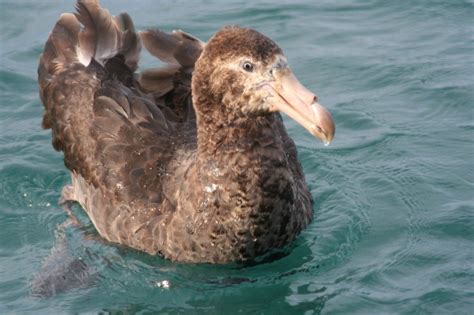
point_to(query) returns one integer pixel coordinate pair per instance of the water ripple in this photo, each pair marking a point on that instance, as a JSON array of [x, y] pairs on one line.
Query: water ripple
[[392, 229]]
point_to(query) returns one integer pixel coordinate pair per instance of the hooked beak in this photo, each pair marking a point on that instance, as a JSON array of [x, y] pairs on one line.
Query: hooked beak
[[291, 97]]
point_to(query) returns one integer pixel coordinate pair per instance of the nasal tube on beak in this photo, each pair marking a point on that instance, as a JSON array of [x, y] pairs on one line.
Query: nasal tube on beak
[[292, 98]]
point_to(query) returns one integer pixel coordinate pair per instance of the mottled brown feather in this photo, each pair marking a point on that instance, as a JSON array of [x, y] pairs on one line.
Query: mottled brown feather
[[139, 168]]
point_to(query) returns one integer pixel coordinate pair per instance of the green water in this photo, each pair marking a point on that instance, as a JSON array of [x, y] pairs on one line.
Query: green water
[[394, 194]]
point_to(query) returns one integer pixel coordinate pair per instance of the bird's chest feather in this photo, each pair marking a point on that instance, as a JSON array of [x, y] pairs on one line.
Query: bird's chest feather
[[243, 205]]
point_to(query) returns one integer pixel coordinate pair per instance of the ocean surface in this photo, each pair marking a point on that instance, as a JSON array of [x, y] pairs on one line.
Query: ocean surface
[[393, 229]]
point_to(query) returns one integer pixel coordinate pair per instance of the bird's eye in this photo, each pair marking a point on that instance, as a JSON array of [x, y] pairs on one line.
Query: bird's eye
[[247, 66]]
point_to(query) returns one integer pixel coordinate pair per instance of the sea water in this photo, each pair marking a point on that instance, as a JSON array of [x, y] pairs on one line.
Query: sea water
[[394, 196]]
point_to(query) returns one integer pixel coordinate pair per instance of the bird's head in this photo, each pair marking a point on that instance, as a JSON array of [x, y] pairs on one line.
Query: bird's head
[[245, 74]]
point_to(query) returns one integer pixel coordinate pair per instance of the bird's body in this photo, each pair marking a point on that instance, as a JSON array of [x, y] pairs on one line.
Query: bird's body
[[188, 161]]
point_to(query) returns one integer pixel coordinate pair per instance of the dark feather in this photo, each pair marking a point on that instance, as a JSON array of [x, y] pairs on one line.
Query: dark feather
[[131, 44], [101, 38], [176, 48], [159, 81], [131, 145], [59, 50]]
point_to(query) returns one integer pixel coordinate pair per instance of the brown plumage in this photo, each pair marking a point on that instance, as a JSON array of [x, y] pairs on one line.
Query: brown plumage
[[190, 161]]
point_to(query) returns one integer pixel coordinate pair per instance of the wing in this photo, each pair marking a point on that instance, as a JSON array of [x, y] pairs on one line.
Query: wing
[[171, 84], [141, 129], [133, 143], [119, 135]]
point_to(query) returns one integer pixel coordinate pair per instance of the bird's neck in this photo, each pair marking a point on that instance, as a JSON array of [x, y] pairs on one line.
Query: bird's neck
[[241, 189], [225, 137], [241, 153]]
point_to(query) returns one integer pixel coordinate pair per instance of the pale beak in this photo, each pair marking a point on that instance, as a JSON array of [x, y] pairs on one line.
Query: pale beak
[[291, 97]]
